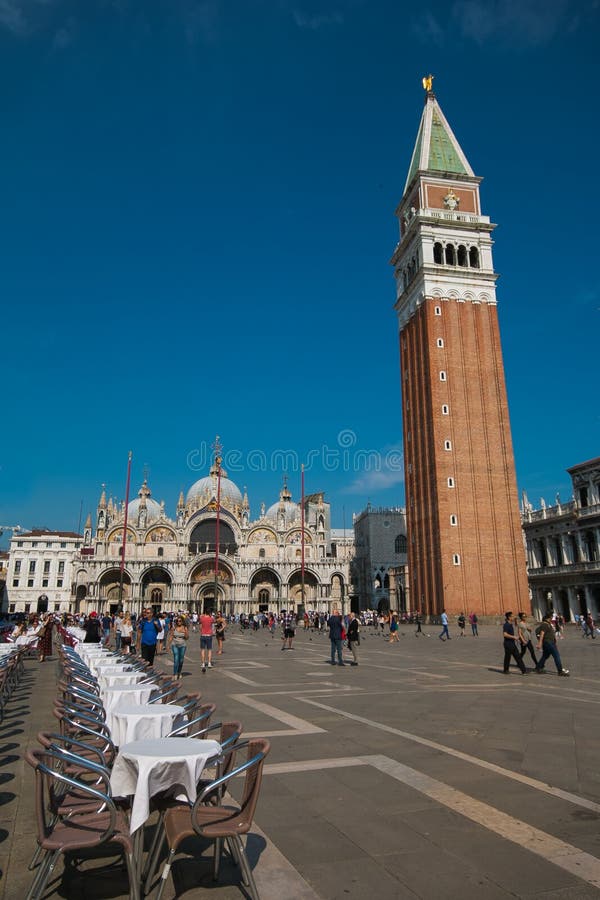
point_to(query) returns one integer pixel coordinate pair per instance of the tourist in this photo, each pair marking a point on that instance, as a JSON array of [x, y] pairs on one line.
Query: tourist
[[591, 625], [474, 622], [394, 629], [445, 633], [160, 637], [547, 644], [525, 637], [335, 625], [206, 637], [126, 632], [106, 626], [289, 629], [353, 637], [147, 633], [417, 621], [461, 622], [93, 629], [45, 641], [220, 626], [118, 621], [510, 646], [178, 636]]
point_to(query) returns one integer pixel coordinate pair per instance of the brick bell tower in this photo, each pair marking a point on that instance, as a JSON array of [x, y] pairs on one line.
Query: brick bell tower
[[465, 545]]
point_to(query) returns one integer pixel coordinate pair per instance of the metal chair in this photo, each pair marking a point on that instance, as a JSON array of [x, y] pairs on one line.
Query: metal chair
[[220, 823], [205, 713], [104, 828], [222, 763]]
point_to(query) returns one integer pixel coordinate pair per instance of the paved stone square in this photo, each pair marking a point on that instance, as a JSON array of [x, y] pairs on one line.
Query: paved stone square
[[423, 772]]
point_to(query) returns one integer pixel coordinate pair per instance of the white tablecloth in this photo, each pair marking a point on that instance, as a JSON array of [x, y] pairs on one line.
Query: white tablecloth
[[144, 721], [118, 679], [143, 769], [128, 693], [97, 664]]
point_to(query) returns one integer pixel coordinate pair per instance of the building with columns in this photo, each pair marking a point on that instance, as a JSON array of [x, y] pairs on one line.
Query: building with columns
[[465, 545], [379, 555], [170, 561], [563, 547]]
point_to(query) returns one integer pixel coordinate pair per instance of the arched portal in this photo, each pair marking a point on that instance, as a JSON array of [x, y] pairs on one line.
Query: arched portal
[[156, 587], [265, 586], [208, 593], [311, 587], [337, 588], [203, 538], [110, 587]]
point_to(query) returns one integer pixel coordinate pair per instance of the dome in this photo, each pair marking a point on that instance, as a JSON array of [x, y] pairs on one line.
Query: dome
[[285, 512], [153, 508], [291, 512], [206, 488]]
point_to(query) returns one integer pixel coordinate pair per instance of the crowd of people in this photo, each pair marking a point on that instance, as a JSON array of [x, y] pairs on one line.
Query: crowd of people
[[159, 633]]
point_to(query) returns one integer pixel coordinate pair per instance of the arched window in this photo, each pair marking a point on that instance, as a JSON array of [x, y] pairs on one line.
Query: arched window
[[474, 258], [386, 582], [456, 560], [442, 376], [462, 255], [161, 551], [453, 520], [400, 544], [451, 482], [438, 253], [438, 310], [440, 342], [450, 255], [261, 553], [447, 445], [445, 410]]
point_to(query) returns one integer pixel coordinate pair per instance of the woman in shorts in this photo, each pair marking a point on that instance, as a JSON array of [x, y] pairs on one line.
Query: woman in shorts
[[220, 626], [126, 632]]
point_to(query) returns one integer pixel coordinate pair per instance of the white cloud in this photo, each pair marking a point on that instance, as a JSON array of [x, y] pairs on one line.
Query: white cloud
[[65, 35], [375, 481], [19, 16], [428, 29], [519, 23], [524, 22], [317, 20]]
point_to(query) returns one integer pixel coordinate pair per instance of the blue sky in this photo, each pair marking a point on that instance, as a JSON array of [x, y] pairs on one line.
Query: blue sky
[[196, 215]]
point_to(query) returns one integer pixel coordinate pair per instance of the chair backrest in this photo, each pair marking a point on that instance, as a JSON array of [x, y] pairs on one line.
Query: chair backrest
[[191, 703], [51, 784], [258, 748]]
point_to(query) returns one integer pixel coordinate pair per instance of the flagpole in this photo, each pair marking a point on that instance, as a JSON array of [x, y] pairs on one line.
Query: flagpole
[[217, 447], [302, 525], [124, 541]]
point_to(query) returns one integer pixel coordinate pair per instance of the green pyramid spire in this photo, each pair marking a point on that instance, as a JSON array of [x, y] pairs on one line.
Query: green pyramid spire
[[436, 148]]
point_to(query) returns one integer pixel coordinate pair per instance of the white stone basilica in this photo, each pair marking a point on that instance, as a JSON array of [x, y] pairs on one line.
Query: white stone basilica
[[170, 563]]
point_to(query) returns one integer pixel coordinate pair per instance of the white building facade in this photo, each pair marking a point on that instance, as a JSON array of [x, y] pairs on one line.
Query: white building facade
[[40, 571], [563, 547], [169, 563]]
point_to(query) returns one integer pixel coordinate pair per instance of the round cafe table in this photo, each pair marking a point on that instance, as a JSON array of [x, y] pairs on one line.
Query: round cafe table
[[143, 769], [127, 693], [97, 664], [144, 721], [118, 678]]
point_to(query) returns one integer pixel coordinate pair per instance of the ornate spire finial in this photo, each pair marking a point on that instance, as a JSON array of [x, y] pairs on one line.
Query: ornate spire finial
[[428, 83]]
